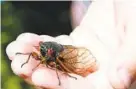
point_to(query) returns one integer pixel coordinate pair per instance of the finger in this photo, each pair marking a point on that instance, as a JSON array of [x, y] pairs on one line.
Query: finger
[[47, 78], [23, 43], [24, 71], [29, 38], [15, 47], [47, 38], [9, 50]]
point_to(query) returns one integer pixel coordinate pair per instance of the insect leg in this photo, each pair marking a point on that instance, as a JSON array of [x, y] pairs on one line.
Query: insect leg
[[22, 53], [67, 73], [58, 75], [36, 66], [27, 59], [70, 75]]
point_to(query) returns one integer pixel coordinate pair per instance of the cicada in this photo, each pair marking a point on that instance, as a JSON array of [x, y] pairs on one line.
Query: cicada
[[66, 58]]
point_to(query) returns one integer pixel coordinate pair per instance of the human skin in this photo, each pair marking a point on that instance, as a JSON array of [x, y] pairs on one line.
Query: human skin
[[107, 30]]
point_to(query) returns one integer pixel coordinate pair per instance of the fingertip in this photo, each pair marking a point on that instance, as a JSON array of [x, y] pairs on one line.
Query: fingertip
[[9, 49], [29, 38], [15, 47], [45, 78], [26, 70], [21, 36]]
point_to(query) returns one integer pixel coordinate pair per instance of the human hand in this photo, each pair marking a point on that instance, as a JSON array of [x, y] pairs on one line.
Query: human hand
[[47, 77], [98, 33]]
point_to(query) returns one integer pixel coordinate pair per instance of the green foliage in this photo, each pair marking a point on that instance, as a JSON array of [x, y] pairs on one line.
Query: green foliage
[[12, 83], [6, 38], [11, 28]]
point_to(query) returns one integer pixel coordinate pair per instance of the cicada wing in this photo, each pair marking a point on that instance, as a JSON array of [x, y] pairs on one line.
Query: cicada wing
[[77, 60]]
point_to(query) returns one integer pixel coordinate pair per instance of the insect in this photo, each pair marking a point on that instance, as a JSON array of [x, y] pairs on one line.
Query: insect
[[66, 58]]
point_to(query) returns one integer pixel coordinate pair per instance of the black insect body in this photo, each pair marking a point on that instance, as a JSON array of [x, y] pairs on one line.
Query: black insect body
[[50, 51], [66, 58]]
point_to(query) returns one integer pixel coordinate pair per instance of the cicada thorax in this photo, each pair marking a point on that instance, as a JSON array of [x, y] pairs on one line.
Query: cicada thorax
[[49, 52], [76, 60]]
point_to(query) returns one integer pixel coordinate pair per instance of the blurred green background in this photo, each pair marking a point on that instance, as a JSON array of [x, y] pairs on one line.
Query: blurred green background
[[40, 17], [51, 18]]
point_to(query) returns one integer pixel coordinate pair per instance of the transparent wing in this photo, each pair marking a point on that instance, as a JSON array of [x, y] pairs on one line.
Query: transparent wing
[[77, 60]]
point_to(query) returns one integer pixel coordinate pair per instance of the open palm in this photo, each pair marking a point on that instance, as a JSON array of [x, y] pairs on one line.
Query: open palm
[[103, 32]]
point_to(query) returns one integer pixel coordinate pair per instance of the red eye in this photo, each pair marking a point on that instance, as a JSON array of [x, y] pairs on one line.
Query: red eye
[[50, 52]]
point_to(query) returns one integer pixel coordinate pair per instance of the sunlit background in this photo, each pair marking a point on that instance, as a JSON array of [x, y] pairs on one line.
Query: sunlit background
[[50, 18]]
